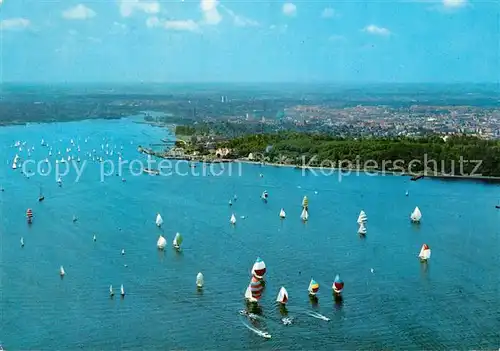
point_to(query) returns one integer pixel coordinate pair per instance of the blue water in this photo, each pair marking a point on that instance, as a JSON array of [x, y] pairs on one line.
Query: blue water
[[450, 303]]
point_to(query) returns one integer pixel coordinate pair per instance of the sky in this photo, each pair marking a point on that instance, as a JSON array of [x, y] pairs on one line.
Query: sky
[[306, 41]]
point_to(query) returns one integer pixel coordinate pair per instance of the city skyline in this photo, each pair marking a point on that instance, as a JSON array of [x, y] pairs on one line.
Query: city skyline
[[227, 41]]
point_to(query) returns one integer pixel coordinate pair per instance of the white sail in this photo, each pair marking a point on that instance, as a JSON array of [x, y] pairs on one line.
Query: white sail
[[282, 296], [362, 217], [159, 220], [161, 243], [233, 219], [282, 213], [362, 229], [14, 165], [425, 252], [61, 271], [416, 215], [22, 241], [304, 215], [111, 293], [248, 295], [122, 290], [95, 238], [199, 280]]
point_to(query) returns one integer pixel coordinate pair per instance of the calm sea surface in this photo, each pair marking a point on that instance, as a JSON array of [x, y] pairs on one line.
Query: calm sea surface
[[453, 302]]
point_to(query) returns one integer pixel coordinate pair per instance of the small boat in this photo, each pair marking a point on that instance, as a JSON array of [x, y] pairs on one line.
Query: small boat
[[14, 165], [313, 287], [199, 280], [407, 193], [123, 251], [40, 196], [177, 241], [230, 203], [264, 196], [362, 218], [74, 218], [235, 197], [22, 242], [232, 220], [282, 296], [161, 243], [338, 285], [159, 220], [111, 292], [416, 215], [94, 238], [61, 271], [305, 203], [362, 229], [259, 268], [282, 214], [59, 181], [29, 215], [304, 215], [151, 171], [122, 291], [415, 178], [497, 206], [425, 253]]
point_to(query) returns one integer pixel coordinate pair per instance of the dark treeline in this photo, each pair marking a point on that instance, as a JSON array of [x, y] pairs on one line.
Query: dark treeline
[[450, 156]]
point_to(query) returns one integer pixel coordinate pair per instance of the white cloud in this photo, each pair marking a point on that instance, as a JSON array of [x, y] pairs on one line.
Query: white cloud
[[186, 25], [289, 9], [128, 7], [454, 3], [328, 13], [211, 14], [14, 24], [79, 12], [375, 30], [240, 21]]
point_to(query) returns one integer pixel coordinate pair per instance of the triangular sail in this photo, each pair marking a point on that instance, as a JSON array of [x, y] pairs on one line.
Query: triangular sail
[[362, 218], [282, 296], [161, 243], [159, 220], [416, 215], [304, 215], [199, 280], [178, 239], [282, 213], [313, 287]]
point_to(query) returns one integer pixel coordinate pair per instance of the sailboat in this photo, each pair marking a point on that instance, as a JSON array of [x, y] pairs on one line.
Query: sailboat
[[94, 238], [407, 193], [362, 218], [199, 280], [74, 218], [161, 243], [254, 290], [22, 242], [282, 296], [362, 229], [304, 215], [259, 268], [177, 241], [122, 291], [230, 203], [111, 292], [338, 285], [61, 271], [159, 220], [264, 196], [425, 253], [416, 215], [232, 220], [29, 215], [14, 165], [59, 181], [282, 214], [313, 287], [305, 203]]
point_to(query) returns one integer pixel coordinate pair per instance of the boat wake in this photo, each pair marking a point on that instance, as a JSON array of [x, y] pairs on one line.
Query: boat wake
[[261, 333], [318, 316]]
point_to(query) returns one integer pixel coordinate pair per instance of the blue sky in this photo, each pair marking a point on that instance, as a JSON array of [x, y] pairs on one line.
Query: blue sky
[[249, 41]]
